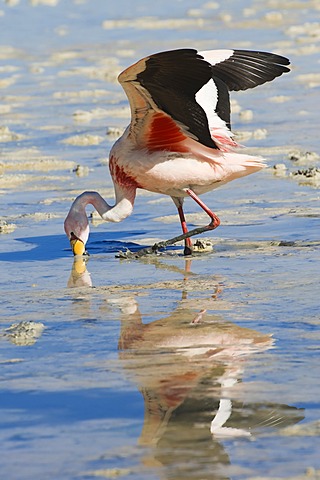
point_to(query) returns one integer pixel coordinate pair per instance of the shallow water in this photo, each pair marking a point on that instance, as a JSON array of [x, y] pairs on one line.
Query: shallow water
[[158, 368]]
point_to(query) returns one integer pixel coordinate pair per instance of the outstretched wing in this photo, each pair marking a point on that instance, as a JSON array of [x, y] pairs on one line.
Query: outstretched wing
[[236, 70], [183, 94]]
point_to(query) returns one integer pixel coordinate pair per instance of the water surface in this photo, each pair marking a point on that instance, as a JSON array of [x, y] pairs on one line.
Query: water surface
[[158, 368]]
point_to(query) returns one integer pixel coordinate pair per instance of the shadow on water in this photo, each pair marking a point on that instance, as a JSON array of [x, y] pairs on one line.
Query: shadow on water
[[50, 247]]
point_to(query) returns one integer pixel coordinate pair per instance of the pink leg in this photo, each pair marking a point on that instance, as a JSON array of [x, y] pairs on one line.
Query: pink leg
[[187, 241], [215, 221]]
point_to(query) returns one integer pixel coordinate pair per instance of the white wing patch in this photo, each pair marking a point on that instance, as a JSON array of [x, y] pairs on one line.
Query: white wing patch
[[216, 56], [207, 98]]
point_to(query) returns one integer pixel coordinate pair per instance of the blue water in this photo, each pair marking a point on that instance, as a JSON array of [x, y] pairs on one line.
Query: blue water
[[105, 388]]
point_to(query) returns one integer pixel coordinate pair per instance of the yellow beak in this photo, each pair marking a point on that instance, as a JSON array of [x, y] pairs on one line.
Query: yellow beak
[[78, 247]]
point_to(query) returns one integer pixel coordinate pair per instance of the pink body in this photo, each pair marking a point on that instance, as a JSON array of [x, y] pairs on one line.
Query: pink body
[[179, 142]]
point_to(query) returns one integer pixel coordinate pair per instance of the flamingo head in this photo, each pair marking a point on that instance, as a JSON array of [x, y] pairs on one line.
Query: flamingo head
[[76, 226]]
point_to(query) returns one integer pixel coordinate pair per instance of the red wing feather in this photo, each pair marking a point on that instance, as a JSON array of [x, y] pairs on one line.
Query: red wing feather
[[165, 134]]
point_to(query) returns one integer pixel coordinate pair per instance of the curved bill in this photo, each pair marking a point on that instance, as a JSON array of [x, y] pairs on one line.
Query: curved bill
[[77, 246]]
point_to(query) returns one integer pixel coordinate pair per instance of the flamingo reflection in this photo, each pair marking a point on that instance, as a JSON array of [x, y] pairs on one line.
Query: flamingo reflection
[[189, 367]]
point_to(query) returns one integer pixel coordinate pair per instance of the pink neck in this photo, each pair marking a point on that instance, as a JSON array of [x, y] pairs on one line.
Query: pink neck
[[121, 210]]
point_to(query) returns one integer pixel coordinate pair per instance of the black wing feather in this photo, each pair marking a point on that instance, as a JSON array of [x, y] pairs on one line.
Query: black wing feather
[[247, 69], [173, 78]]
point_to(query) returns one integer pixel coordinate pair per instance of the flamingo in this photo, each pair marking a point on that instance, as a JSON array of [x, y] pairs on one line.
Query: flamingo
[[179, 141]]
